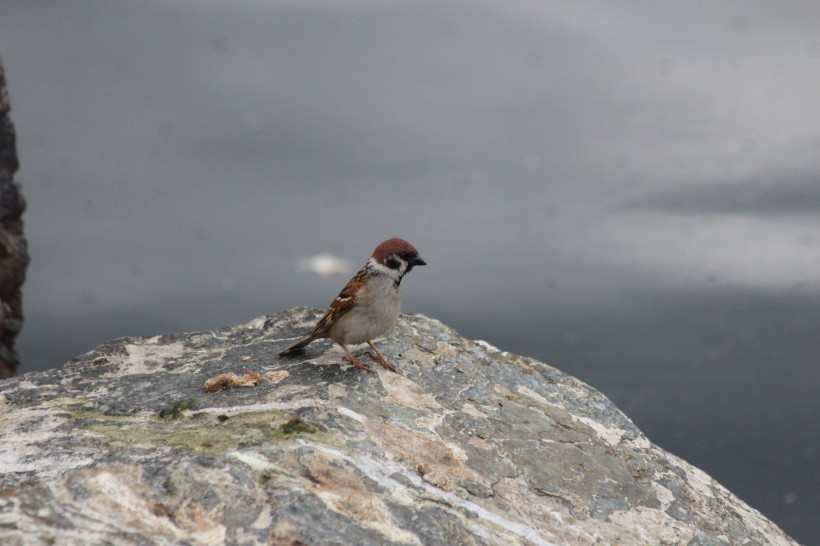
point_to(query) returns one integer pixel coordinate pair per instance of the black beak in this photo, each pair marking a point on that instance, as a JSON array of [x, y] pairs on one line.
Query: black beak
[[416, 260]]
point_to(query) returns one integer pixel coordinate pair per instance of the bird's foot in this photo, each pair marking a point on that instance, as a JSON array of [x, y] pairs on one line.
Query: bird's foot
[[378, 357], [358, 363]]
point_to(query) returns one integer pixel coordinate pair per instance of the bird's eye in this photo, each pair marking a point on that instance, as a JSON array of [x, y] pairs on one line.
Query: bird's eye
[[392, 263]]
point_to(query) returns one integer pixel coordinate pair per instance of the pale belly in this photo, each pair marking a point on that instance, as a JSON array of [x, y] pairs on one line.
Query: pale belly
[[359, 327]]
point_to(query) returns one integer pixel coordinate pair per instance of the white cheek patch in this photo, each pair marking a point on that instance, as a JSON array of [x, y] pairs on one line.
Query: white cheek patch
[[384, 270]]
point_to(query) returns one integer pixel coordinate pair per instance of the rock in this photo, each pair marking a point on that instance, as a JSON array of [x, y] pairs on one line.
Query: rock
[[465, 445], [13, 250]]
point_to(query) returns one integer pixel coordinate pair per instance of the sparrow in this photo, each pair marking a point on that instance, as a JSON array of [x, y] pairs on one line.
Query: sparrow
[[368, 306]]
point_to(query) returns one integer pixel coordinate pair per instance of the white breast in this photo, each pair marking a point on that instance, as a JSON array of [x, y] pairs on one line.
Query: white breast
[[377, 308]]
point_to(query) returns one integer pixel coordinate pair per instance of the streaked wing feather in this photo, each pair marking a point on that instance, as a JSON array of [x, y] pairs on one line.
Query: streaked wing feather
[[343, 303]]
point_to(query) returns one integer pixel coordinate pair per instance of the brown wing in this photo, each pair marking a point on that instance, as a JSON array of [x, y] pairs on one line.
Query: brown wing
[[343, 303]]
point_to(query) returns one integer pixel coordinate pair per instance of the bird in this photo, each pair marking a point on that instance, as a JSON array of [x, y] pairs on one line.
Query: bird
[[368, 305]]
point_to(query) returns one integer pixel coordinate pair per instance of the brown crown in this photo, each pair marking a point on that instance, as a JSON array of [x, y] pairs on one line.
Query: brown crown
[[393, 246]]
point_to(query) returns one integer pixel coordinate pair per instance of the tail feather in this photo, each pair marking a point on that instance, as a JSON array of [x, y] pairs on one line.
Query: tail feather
[[300, 343]]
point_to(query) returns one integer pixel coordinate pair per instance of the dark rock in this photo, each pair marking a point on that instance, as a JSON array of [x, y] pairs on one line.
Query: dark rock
[[13, 249], [505, 451]]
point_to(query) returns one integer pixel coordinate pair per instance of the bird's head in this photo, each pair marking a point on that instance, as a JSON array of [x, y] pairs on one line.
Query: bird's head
[[395, 258]]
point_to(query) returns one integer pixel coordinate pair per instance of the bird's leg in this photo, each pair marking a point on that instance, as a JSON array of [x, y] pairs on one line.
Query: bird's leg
[[378, 357], [355, 361]]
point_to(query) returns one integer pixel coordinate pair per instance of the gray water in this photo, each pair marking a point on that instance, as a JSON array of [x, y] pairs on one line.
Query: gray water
[[627, 191]]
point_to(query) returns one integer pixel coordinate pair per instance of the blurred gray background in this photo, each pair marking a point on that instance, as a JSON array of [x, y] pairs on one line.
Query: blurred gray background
[[627, 191]]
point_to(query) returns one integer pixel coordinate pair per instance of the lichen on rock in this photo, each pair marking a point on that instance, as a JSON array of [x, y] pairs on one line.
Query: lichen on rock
[[467, 444]]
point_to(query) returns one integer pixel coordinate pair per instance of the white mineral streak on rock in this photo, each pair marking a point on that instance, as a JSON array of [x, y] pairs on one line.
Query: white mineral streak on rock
[[643, 525], [488, 346], [25, 434], [337, 390], [148, 357], [470, 409], [665, 496], [265, 518], [382, 470], [351, 414], [404, 392], [254, 460], [531, 394], [256, 324], [699, 480], [266, 406], [432, 420], [612, 436]]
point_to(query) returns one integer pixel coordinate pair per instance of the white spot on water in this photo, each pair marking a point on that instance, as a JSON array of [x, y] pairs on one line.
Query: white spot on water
[[325, 265], [790, 498]]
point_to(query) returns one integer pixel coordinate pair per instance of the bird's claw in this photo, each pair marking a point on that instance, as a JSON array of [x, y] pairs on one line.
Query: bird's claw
[[380, 359], [358, 363]]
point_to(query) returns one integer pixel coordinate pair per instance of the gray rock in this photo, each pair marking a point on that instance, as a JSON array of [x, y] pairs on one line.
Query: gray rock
[[465, 445], [13, 249]]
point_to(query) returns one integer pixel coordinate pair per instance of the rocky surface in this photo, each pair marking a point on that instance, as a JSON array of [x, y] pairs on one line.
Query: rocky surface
[[465, 445], [13, 250]]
